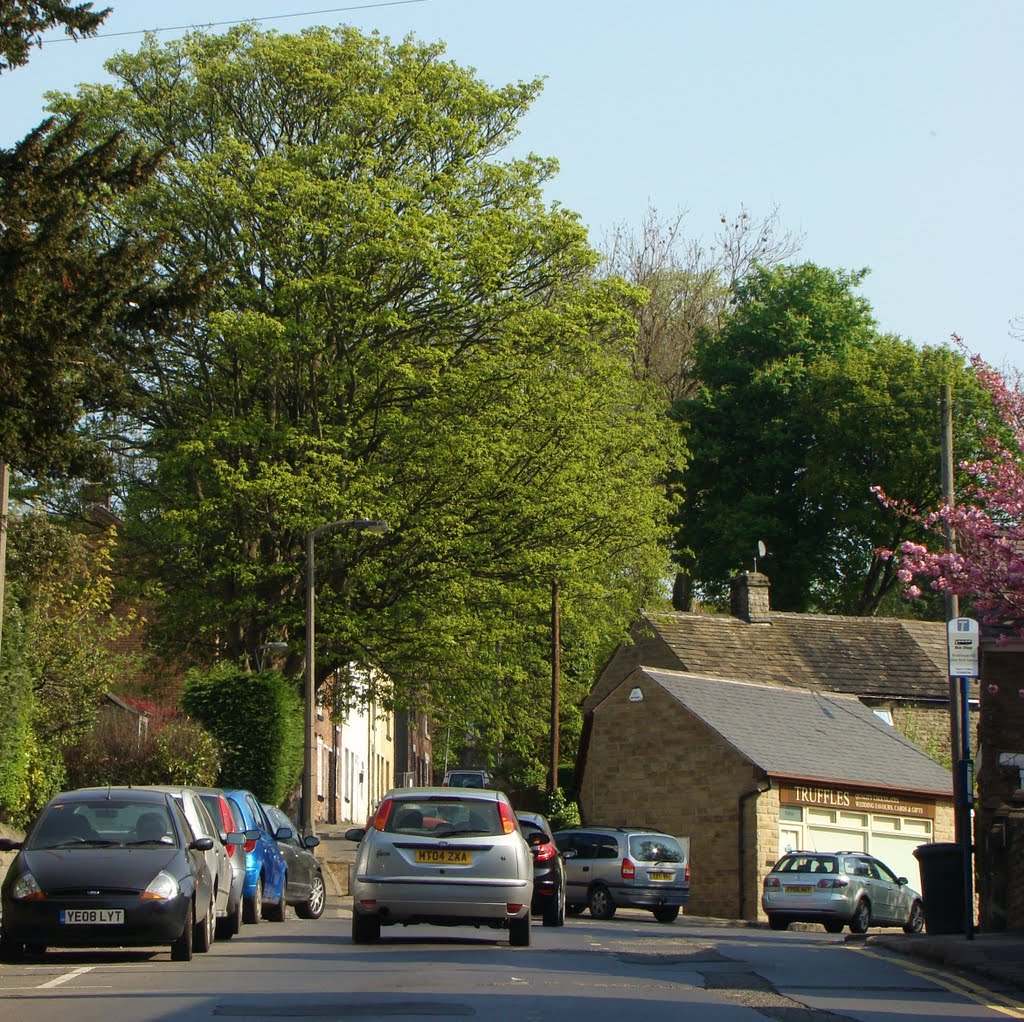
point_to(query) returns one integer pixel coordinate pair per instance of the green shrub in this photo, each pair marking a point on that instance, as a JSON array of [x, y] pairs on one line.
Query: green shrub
[[258, 721], [186, 753], [560, 812]]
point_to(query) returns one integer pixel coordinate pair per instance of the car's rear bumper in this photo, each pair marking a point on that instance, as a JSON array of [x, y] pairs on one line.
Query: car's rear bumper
[[442, 901], [649, 896]]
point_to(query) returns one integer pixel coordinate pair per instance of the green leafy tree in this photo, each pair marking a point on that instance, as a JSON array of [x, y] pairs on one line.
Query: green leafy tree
[[59, 651], [803, 407], [403, 331]]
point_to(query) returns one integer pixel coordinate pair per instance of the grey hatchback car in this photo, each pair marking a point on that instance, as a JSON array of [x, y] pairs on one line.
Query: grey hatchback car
[[839, 889], [445, 856], [624, 867]]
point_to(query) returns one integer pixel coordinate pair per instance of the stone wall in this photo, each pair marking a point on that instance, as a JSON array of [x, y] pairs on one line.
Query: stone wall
[[6, 858]]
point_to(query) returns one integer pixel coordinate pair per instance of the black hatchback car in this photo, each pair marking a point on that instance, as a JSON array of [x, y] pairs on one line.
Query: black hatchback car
[[108, 868], [548, 869]]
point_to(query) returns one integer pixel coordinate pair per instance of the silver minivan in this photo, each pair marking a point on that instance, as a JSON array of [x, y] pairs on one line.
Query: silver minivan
[[624, 867]]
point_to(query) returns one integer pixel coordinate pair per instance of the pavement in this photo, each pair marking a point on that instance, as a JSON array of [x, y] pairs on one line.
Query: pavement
[[997, 957]]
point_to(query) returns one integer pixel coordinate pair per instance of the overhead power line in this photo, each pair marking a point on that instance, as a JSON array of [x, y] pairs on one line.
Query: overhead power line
[[238, 21]]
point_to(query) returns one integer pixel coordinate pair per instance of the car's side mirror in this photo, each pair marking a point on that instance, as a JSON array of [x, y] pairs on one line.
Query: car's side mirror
[[252, 834], [902, 881], [8, 844], [537, 838], [234, 838], [202, 844], [355, 834], [283, 834], [310, 841], [569, 853]]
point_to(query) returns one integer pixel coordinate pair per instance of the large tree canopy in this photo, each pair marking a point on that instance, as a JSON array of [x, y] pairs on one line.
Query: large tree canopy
[[804, 406], [403, 331]]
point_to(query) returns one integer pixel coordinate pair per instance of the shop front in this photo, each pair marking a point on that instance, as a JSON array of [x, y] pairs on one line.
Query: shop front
[[888, 825]]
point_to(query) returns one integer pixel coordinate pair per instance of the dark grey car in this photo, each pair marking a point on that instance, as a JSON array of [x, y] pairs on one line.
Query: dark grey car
[[304, 879]]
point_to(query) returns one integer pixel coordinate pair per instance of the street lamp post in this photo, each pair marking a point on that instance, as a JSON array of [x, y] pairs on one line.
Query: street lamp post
[[309, 687]]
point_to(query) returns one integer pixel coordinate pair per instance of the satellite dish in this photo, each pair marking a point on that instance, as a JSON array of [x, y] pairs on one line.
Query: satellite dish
[[761, 551]]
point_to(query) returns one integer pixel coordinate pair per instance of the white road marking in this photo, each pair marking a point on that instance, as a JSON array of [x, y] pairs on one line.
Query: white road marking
[[58, 980]]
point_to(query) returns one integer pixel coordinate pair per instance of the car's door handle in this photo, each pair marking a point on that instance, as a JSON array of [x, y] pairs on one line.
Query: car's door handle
[[586, 869]]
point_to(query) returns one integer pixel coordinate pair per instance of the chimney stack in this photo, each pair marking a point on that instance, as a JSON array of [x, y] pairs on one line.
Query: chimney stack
[[748, 596]]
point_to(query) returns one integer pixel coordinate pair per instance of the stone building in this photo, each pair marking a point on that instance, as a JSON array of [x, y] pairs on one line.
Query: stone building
[[999, 806], [746, 771]]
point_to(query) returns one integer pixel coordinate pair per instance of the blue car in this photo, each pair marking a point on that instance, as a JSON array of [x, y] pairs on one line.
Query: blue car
[[263, 894]]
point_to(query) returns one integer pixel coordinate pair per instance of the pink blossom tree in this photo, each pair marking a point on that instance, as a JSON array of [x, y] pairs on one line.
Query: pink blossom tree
[[987, 519]]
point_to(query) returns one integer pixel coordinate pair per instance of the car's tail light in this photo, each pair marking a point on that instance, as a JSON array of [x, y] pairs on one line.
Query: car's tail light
[[250, 846], [544, 851], [508, 819], [380, 819], [687, 873], [628, 869], [772, 882], [827, 882], [512, 908], [230, 849]]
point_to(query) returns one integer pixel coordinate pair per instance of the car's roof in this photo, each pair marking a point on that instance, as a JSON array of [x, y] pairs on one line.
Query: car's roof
[[615, 830], [112, 794], [483, 794]]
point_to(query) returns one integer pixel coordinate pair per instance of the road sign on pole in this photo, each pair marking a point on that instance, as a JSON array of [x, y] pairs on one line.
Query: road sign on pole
[[963, 641]]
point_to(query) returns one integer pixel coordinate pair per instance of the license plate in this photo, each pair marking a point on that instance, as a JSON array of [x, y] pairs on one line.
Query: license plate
[[661, 876], [798, 890], [92, 916], [444, 856]]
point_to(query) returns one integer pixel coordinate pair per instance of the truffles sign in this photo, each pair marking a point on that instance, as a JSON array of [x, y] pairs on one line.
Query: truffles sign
[[855, 801]]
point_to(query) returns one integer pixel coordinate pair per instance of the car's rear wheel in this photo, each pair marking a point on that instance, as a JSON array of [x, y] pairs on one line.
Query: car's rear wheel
[[915, 921], [834, 926], [277, 911], [365, 929], [666, 913], [253, 911], [861, 917], [778, 922], [554, 909], [601, 904], [203, 938], [181, 949], [519, 932], [314, 907]]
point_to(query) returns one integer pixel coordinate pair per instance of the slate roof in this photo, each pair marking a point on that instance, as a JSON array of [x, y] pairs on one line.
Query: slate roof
[[865, 656], [805, 735]]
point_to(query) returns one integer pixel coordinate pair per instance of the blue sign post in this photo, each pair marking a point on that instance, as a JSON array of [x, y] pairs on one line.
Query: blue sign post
[[963, 641]]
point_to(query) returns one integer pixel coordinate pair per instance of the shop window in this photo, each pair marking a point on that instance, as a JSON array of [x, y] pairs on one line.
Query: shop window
[[791, 814], [922, 827], [890, 824], [853, 819], [821, 816]]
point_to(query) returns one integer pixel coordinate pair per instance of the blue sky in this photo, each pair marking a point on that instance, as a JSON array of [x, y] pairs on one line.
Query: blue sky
[[888, 134]]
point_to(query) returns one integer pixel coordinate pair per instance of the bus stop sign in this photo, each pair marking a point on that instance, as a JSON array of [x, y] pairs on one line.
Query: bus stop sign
[[963, 640]]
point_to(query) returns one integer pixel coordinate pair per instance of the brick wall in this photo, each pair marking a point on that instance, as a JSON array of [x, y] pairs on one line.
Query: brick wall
[[638, 775]]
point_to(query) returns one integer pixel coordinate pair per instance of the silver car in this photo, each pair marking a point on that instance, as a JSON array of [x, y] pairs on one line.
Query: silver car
[[445, 856], [228, 818], [608, 868], [839, 889], [217, 857]]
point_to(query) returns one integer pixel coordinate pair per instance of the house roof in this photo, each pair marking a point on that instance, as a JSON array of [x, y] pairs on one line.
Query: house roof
[[804, 735], [865, 656]]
